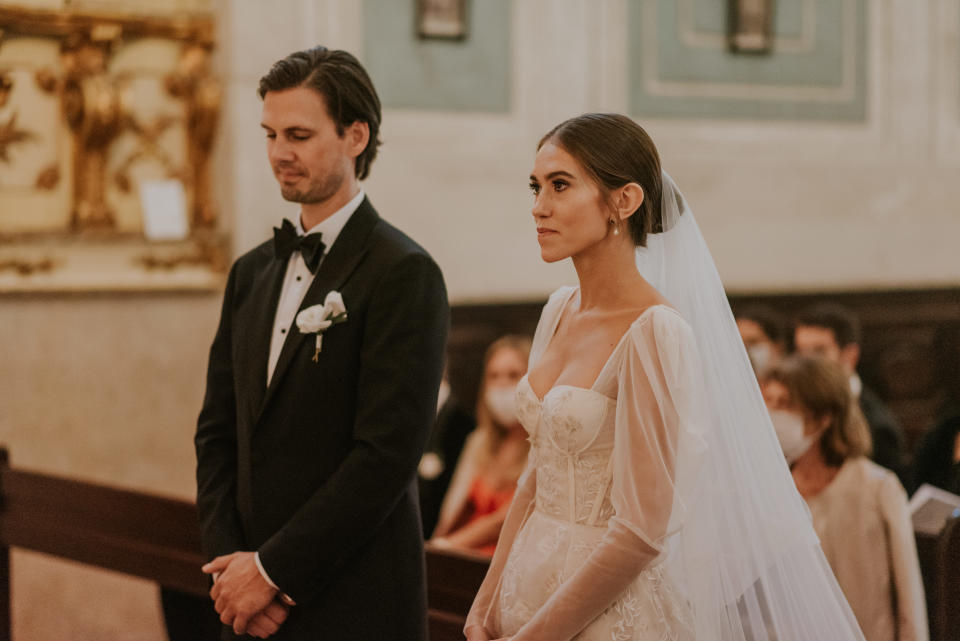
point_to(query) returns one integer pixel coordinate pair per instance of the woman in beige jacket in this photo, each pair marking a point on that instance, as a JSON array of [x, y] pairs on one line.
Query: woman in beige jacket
[[859, 509]]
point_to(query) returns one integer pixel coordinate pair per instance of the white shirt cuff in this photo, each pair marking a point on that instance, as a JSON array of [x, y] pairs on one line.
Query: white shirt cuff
[[263, 573]]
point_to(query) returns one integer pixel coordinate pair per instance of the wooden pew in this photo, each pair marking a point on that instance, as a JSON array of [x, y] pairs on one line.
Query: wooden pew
[[940, 566], [158, 539], [453, 578], [948, 582], [140, 534]]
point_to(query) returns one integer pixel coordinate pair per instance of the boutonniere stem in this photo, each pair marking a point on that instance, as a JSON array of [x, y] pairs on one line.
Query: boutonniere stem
[[317, 318]]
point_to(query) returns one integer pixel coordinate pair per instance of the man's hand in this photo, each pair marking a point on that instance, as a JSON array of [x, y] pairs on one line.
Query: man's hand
[[240, 591], [269, 621]]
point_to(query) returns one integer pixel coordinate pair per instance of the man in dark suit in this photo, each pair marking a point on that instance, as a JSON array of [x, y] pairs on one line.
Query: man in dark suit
[[833, 331], [314, 421]]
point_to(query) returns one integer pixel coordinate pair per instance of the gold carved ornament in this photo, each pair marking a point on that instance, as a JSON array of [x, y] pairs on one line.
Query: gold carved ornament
[[97, 107]]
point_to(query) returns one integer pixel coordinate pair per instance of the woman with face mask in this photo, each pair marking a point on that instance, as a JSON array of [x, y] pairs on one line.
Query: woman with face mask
[[493, 457], [859, 509]]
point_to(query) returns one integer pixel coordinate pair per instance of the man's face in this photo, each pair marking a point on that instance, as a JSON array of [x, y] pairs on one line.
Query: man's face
[[821, 341], [817, 341], [752, 334], [309, 160]]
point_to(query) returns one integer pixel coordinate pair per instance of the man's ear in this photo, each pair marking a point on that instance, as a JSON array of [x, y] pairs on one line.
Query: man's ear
[[357, 135], [628, 200], [849, 357]]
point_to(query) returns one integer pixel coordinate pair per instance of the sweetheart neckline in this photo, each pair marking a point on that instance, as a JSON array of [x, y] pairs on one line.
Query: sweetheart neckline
[[606, 363], [541, 401]]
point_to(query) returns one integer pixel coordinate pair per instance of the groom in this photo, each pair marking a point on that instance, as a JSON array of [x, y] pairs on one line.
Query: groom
[[311, 429]]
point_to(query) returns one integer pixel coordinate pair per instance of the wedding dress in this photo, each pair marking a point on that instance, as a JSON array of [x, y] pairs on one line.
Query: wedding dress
[[581, 486], [656, 505]]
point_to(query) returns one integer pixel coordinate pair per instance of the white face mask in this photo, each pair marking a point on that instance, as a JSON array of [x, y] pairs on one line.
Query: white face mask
[[790, 433], [760, 356], [502, 403]]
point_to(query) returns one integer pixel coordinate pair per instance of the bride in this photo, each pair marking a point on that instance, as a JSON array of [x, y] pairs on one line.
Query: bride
[[655, 504]]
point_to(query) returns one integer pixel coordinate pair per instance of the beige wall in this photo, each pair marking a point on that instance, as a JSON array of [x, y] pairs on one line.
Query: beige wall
[[104, 388], [107, 387], [783, 205]]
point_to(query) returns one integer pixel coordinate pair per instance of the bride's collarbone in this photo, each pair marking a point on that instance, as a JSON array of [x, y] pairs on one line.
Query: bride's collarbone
[[577, 354]]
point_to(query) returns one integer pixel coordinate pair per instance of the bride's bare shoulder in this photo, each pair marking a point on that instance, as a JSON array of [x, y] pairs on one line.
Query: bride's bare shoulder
[[643, 300]]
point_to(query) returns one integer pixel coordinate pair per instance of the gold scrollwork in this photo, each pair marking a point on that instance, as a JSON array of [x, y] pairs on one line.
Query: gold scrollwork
[[206, 254], [27, 267], [10, 136], [149, 147], [47, 80], [6, 86], [105, 129], [202, 93], [48, 179], [97, 105], [93, 105]]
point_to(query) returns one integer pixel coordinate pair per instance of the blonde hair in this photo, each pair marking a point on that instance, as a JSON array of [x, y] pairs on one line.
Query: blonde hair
[[493, 432], [822, 389]]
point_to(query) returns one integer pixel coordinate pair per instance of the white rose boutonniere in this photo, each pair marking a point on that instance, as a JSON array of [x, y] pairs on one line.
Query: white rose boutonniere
[[317, 318]]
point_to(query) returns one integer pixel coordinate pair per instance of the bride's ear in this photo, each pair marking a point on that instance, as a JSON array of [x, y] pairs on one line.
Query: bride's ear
[[628, 200]]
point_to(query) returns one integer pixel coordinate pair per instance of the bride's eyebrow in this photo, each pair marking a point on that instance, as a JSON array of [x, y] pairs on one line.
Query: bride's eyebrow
[[555, 174]]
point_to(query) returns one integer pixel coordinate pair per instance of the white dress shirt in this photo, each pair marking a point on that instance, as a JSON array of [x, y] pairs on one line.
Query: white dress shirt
[[296, 282], [298, 278]]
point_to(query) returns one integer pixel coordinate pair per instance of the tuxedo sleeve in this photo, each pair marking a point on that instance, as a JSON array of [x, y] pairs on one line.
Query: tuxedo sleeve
[[401, 362], [216, 443]]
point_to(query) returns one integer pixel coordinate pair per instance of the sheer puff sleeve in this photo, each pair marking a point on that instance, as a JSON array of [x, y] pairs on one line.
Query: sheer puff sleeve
[[656, 446]]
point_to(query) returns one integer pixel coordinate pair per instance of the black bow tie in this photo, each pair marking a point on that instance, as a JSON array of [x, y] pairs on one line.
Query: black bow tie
[[286, 241]]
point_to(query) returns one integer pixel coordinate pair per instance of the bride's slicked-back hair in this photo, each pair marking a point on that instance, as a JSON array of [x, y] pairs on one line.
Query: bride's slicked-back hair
[[616, 151], [345, 86]]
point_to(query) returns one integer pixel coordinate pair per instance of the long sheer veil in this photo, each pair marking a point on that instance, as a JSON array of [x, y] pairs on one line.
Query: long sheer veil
[[747, 557]]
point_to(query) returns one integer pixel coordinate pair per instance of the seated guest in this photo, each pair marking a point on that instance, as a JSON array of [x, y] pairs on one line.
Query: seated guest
[[493, 457], [833, 331], [441, 453], [859, 509], [937, 460], [764, 334]]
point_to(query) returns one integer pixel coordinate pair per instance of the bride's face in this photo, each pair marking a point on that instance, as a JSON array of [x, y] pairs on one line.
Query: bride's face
[[569, 208]]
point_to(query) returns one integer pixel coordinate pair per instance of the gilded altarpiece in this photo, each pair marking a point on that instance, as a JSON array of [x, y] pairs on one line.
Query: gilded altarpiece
[[92, 107]]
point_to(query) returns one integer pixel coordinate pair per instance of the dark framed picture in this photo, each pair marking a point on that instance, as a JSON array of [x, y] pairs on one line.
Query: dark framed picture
[[750, 26], [442, 19]]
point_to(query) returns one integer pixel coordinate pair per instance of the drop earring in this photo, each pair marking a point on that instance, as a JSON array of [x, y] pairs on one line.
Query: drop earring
[[616, 227]]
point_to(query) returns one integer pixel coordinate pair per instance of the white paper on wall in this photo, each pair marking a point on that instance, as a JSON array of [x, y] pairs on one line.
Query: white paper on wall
[[164, 204]]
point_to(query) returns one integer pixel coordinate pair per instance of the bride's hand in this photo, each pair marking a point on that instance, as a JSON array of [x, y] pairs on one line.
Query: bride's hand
[[477, 633]]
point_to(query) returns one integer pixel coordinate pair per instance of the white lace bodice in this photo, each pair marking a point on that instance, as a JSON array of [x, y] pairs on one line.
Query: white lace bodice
[[571, 439]]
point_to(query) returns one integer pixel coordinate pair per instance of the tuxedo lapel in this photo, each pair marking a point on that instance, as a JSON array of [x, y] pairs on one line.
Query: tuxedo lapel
[[255, 331], [336, 267]]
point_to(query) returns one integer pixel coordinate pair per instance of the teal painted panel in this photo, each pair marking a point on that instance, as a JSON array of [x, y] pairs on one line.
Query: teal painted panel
[[466, 75], [689, 81], [710, 16], [821, 66]]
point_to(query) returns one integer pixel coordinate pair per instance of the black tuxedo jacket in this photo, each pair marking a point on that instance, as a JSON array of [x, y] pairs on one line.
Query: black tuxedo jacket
[[317, 471]]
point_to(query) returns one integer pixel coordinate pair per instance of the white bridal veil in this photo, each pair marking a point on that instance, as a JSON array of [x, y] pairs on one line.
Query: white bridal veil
[[747, 558]]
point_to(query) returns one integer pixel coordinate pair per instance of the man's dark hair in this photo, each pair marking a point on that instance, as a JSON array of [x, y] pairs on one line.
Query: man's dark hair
[[841, 321], [345, 86], [773, 324]]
